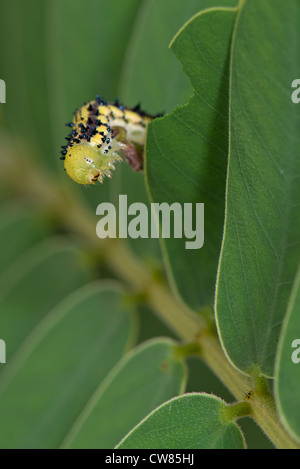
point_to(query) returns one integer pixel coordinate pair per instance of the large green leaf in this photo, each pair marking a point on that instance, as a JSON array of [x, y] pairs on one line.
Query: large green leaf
[[33, 285], [192, 421], [288, 366], [45, 386], [261, 246], [143, 380], [187, 151]]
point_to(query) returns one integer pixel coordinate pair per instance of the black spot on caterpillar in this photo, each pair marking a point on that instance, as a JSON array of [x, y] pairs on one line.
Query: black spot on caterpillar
[[101, 134]]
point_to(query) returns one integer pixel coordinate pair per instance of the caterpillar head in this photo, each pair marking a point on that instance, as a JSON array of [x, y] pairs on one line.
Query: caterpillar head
[[87, 164]]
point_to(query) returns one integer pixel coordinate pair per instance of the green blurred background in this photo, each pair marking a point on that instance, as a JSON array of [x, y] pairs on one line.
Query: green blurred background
[[55, 55]]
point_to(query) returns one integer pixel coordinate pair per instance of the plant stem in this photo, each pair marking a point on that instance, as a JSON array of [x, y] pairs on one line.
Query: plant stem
[[233, 412], [265, 414]]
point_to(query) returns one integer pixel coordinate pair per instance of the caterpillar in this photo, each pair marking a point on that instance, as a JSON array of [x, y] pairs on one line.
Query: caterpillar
[[103, 134]]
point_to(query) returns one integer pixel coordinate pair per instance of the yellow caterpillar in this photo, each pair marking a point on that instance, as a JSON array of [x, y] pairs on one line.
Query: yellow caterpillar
[[102, 133]]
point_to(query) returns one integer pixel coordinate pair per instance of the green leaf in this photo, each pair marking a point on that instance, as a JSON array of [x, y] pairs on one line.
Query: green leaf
[[20, 228], [260, 251], [187, 151], [140, 382], [192, 421], [288, 366], [46, 385], [33, 285]]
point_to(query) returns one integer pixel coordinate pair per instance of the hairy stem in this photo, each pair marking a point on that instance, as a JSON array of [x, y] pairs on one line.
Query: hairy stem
[[233, 412]]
